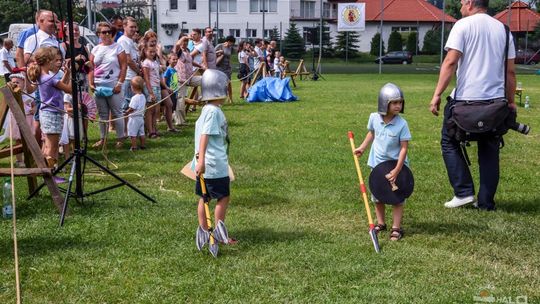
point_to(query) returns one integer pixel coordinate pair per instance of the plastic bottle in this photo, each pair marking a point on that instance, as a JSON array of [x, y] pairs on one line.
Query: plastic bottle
[[527, 102], [7, 208]]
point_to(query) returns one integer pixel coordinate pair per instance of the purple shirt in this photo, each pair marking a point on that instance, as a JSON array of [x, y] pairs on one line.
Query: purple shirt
[[52, 98]]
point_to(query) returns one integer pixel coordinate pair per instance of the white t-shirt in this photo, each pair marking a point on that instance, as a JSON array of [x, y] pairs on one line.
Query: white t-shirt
[[131, 50], [200, 47], [260, 55], [5, 55], [107, 66], [41, 39], [480, 73], [242, 57], [137, 103]]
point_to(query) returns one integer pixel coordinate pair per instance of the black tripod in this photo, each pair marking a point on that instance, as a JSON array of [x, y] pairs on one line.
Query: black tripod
[[80, 153]]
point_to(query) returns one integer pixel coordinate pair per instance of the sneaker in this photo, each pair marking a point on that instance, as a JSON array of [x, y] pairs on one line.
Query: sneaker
[[459, 201]]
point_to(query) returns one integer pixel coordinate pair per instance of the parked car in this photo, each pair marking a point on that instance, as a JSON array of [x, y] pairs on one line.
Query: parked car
[[403, 57], [527, 57]]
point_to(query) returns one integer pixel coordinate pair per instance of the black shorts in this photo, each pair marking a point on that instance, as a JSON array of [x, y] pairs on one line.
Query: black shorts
[[217, 188]]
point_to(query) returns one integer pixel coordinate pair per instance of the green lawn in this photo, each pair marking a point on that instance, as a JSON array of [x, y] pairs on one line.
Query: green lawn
[[296, 210]]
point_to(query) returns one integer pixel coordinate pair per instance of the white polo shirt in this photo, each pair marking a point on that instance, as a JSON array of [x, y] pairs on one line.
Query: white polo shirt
[[131, 50], [5, 55], [41, 39]]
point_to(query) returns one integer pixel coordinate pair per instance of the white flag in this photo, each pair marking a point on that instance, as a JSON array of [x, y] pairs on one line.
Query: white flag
[[351, 17]]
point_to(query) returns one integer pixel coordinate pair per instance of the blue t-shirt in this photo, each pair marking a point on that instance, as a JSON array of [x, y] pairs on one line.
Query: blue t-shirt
[[171, 78], [387, 139], [25, 34], [213, 123]]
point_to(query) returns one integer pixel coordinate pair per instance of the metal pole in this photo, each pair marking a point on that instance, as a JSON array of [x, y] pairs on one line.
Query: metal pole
[[347, 46], [210, 13], [37, 5], [442, 35], [381, 37], [417, 37], [89, 14], [280, 37], [153, 19], [320, 38], [263, 15], [217, 22]]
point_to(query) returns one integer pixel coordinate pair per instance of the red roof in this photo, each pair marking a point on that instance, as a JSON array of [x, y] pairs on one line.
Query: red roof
[[522, 18], [405, 10]]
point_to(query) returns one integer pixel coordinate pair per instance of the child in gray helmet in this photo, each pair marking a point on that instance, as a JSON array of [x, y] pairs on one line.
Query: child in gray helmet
[[211, 142], [389, 135]]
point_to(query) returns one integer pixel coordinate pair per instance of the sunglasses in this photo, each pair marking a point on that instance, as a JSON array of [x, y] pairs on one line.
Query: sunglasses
[[105, 32]]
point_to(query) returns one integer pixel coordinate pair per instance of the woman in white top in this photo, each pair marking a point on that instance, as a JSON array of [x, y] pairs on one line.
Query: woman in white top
[[110, 65]]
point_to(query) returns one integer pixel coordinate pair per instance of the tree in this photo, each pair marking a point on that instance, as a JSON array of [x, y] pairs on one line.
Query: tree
[[375, 42], [274, 35], [293, 44], [327, 45], [143, 25], [347, 45], [22, 11], [432, 41], [394, 42], [412, 43]]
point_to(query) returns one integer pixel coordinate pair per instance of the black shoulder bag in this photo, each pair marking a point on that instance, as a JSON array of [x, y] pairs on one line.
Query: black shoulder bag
[[471, 120]]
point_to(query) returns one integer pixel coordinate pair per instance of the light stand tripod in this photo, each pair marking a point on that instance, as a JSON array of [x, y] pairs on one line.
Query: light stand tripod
[[78, 153], [316, 75]]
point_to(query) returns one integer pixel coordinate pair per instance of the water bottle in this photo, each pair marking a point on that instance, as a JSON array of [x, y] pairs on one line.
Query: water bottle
[[7, 208], [527, 102]]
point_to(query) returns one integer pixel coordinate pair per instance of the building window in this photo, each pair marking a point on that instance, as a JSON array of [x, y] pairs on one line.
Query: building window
[[404, 29], [251, 33], [257, 6], [192, 5], [327, 10], [234, 33], [307, 9], [173, 4], [225, 6]]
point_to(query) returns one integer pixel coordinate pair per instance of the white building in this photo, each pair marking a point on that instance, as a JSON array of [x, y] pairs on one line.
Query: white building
[[247, 18]]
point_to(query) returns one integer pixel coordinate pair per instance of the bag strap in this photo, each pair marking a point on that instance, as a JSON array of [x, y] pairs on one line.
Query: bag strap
[[505, 62]]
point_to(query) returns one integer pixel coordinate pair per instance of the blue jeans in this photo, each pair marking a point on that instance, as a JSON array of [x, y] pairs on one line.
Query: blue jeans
[[458, 170]]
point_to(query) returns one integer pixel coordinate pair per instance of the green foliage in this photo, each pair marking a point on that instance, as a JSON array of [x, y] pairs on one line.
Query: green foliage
[[143, 24], [108, 12], [293, 44], [375, 43], [394, 42], [412, 43], [496, 6], [13, 11], [274, 35], [328, 49], [432, 41], [346, 44]]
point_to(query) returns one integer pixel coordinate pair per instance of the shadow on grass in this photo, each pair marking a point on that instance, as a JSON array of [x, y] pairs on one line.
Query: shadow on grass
[[267, 235], [259, 199], [435, 227], [527, 207], [43, 245]]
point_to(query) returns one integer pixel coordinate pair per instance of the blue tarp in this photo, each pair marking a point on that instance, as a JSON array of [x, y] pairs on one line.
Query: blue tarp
[[271, 89]]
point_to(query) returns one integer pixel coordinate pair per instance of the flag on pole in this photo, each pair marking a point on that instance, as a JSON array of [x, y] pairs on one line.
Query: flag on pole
[[351, 17]]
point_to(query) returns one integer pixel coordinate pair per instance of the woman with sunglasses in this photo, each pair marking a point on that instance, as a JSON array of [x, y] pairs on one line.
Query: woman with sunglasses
[[110, 66]]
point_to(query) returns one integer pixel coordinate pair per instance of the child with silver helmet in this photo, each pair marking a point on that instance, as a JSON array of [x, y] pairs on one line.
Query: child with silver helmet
[[389, 135], [211, 145]]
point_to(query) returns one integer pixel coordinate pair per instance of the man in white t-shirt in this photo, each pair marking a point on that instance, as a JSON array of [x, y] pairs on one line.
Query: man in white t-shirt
[[44, 37], [476, 52], [130, 48], [7, 62]]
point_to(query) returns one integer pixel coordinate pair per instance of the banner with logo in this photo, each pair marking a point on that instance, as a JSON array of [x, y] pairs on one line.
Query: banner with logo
[[351, 17]]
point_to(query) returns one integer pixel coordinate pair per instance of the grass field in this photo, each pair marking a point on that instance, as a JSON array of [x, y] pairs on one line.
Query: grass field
[[296, 210]]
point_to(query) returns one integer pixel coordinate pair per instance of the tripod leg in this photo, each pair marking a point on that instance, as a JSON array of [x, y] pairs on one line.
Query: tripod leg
[[68, 193], [67, 161], [120, 179]]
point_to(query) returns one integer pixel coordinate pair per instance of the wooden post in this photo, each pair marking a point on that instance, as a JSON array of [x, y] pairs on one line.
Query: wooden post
[[11, 96]]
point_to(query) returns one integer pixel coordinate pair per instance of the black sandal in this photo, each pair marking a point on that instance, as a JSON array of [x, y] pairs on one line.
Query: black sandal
[[396, 234], [379, 227]]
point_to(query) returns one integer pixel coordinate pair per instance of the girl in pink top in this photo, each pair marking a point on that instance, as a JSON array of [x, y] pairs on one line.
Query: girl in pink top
[[154, 82]]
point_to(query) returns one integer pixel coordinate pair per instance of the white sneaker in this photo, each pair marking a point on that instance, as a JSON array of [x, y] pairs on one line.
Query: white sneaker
[[459, 201]]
